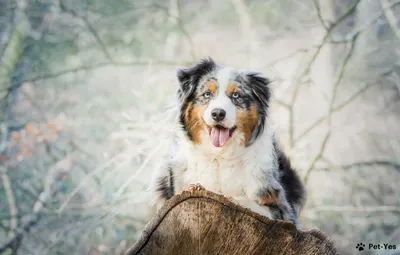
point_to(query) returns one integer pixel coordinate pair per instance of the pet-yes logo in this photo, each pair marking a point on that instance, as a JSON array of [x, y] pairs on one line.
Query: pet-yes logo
[[360, 246], [371, 246]]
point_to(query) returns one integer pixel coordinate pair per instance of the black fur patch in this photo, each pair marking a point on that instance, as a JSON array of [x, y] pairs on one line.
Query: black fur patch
[[189, 79], [166, 186], [276, 211], [246, 96], [291, 182]]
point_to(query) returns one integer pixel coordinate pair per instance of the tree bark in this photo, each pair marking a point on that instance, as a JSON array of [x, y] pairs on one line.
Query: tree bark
[[202, 222]]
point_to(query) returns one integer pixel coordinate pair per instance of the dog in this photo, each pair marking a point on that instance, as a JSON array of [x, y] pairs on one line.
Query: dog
[[226, 144]]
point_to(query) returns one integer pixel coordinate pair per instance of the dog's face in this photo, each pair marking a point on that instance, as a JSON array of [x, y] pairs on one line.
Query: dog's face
[[221, 103]]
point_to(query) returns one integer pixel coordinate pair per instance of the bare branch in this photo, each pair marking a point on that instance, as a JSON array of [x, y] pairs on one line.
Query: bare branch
[[103, 46], [247, 27], [309, 66], [13, 243], [10, 199], [95, 66], [146, 161], [345, 15], [330, 111], [377, 162], [337, 108], [340, 75], [354, 96], [318, 8], [180, 25], [297, 87], [90, 28], [359, 209], [283, 104], [189, 39], [365, 25], [83, 182], [288, 56], [49, 190], [396, 80], [391, 18], [316, 158]]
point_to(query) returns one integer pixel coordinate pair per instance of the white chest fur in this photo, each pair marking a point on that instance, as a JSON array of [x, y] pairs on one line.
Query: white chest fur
[[234, 172], [220, 175]]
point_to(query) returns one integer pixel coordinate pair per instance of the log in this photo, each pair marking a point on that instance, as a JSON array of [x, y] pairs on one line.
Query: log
[[202, 222]]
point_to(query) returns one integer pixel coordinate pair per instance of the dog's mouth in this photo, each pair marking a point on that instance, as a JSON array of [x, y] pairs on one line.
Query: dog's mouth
[[220, 135]]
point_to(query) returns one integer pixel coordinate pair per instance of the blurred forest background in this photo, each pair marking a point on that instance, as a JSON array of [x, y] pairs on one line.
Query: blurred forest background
[[85, 85]]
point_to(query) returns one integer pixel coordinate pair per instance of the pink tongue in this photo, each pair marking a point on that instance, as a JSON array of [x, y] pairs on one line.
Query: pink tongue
[[219, 136]]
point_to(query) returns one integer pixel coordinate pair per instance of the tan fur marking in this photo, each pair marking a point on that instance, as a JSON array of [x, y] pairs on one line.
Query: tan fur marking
[[230, 89], [212, 87], [194, 122], [269, 198], [246, 122]]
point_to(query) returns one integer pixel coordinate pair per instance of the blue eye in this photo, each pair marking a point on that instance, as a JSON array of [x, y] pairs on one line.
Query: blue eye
[[207, 95], [235, 95]]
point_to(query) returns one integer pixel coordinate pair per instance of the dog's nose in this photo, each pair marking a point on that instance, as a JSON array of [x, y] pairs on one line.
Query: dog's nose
[[218, 114]]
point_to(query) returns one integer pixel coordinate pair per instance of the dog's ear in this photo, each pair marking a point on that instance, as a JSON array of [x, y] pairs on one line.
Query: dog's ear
[[260, 87], [189, 77], [262, 92]]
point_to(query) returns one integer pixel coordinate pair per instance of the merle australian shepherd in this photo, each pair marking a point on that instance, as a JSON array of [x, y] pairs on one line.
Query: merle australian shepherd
[[226, 143]]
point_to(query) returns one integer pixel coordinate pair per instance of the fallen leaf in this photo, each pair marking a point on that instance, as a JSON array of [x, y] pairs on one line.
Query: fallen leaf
[[15, 136]]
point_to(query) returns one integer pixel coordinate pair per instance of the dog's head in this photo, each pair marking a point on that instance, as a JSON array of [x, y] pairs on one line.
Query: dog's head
[[219, 103]]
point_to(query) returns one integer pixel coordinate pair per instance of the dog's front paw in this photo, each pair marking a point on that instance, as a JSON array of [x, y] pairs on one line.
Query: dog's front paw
[[193, 187]]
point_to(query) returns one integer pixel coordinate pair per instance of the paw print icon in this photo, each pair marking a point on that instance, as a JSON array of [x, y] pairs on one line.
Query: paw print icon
[[360, 246]]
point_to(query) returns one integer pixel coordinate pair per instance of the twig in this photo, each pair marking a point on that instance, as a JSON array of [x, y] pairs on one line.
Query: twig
[[181, 26], [341, 73], [391, 18], [308, 68], [247, 28], [94, 66], [396, 79], [13, 242], [99, 40], [316, 158], [288, 56], [337, 108], [318, 8], [365, 25], [346, 14], [366, 209], [143, 166], [330, 111], [90, 28], [297, 89], [48, 191], [10, 199], [377, 162], [283, 104], [189, 39], [83, 182]]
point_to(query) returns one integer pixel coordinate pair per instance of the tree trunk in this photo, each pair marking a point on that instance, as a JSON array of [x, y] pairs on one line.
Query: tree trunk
[[202, 222]]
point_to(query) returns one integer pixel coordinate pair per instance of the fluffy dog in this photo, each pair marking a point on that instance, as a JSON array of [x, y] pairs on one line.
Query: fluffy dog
[[226, 143]]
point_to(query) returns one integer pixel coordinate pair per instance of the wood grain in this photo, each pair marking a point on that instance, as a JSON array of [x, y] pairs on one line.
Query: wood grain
[[202, 222]]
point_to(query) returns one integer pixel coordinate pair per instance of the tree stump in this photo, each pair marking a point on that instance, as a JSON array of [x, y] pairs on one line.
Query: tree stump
[[202, 222]]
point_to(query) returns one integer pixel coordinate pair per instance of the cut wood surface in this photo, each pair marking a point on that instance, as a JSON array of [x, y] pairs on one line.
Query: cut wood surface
[[202, 222]]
